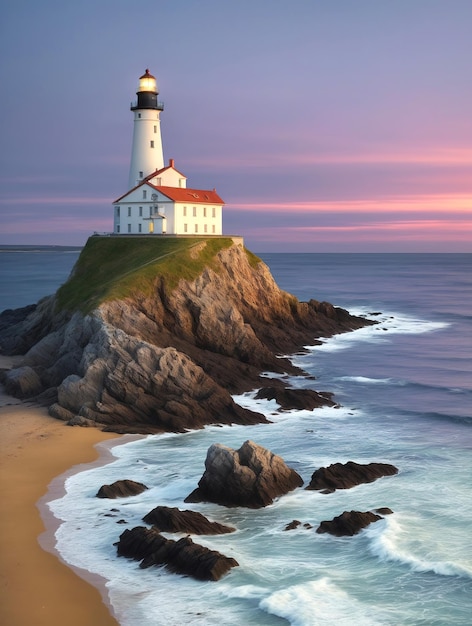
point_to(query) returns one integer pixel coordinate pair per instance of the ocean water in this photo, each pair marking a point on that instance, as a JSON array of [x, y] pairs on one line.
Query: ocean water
[[405, 390]]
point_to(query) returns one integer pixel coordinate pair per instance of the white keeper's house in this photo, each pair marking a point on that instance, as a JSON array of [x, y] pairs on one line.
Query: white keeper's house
[[159, 201]]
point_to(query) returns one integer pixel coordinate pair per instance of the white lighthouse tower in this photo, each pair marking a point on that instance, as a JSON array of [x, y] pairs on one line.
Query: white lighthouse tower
[[146, 151]]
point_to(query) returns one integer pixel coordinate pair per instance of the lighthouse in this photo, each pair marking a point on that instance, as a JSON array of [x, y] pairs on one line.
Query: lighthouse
[[158, 201], [146, 151]]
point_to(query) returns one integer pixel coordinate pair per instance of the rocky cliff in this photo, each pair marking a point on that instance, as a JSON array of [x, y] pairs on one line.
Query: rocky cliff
[[164, 344]]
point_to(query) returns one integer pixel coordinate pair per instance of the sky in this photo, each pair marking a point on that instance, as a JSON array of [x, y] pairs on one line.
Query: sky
[[325, 125]]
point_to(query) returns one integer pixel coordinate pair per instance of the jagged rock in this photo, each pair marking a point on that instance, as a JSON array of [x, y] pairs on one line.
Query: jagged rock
[[251, 476], [78, 420], [173, 520], [384, 510], [60, 413], [295, 524], [347, 475], [169, 359], [22, 382], [292, 525], [121, 489], [181, 557], [298, 399], [348, 523]]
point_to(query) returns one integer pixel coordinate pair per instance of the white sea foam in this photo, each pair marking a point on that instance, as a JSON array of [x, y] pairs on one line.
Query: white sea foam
[[322, 602], [387, 324], [368, 381], [391, 543]]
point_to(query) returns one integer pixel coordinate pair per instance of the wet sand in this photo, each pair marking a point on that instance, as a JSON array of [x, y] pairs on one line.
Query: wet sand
[[36, 586]]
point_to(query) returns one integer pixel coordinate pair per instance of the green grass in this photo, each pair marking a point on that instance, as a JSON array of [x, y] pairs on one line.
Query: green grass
[[112, 268]]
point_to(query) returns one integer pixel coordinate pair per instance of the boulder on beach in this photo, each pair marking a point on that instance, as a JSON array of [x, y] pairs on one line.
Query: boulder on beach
[[348, 523], [347, 475], [251, 476], [181, 557], [173, 520], [121, 489]]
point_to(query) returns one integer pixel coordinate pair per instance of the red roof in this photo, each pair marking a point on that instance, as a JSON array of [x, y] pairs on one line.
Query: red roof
[[180, 194], [192, 196]]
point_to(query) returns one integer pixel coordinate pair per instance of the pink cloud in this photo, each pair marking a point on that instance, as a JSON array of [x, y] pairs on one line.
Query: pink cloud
[[422, 203]]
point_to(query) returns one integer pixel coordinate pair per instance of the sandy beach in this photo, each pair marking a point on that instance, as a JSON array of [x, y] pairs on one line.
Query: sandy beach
[[36, 587]]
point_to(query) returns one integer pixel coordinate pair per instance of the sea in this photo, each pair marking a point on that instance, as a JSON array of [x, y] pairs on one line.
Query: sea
[[404, 393]]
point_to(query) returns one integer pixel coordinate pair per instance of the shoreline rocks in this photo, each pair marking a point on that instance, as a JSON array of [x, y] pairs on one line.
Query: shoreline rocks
[[349, 523], [347, 475], [251, 476], [180, 557], [173, 520], [121, 489]]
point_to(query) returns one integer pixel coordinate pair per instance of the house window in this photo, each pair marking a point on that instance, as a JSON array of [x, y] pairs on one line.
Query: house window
[[185, 211], [140, 228], [213, 229], [213, 212], [117, 211], [140, 174], [144, 194], [129, 228], [150, 211], [205, 228], [118, 228], [196, 228], [194, 211], [204, 211], [152, 144], [185, 228], [140, 211], [129, 211], [155, 129], [139, 115]]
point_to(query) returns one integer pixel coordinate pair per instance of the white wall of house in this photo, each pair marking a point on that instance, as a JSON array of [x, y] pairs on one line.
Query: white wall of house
[[169, 177], [198, 219], [140, 213]]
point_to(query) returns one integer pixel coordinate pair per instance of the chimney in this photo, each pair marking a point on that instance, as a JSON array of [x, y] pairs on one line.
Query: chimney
[[171, 162]]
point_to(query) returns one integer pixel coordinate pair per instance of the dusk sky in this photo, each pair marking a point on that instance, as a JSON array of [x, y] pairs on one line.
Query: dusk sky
[[325, 125]]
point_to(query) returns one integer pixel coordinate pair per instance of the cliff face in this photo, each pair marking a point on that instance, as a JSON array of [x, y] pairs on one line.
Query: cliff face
[[168, 358]]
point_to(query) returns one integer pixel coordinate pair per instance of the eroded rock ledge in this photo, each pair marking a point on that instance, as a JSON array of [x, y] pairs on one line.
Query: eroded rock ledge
[[181, 557], [347, 475], [167, 360]]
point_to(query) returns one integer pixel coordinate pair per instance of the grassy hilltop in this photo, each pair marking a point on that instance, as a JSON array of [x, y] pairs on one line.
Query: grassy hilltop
[[111, 268]]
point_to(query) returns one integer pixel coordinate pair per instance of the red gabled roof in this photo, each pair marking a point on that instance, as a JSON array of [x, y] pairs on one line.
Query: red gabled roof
[[192, 196]]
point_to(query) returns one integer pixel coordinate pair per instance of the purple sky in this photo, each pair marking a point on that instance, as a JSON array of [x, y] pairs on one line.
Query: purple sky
[[340, 125]]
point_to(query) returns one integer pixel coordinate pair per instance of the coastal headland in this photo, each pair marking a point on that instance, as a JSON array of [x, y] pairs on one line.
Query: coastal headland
[[146, 336], [151, 335]]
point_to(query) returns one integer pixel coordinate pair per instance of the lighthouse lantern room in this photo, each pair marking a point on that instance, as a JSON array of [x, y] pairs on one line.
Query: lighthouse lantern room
[[158, 201]]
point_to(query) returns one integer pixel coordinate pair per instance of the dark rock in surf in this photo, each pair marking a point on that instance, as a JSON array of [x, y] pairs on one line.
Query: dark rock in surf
[[173, 520], [180, 557], [251, 476], [348, 523], [121, 489], [298, 399], [347, 475]]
